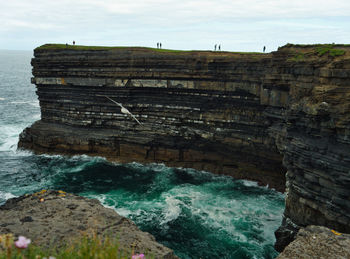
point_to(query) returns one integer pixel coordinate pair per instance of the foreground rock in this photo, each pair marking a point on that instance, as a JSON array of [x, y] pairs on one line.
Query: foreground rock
[[318, 242], [52, 217]]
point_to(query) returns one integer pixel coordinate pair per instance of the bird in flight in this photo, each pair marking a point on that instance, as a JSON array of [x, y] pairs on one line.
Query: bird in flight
[[124, 110]]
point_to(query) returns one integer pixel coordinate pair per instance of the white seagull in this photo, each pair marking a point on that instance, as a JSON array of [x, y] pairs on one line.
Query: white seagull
[[124, 110]]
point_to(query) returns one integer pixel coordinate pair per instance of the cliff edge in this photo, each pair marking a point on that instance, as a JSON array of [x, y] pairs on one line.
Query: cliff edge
[[280, 118]]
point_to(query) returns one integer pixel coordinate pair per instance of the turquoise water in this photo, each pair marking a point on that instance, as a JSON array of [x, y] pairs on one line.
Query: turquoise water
[[198, 214]]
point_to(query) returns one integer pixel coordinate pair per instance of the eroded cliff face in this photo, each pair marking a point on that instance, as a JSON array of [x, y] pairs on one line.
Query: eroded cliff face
[[198, 109], [317, 149], [228, 113]]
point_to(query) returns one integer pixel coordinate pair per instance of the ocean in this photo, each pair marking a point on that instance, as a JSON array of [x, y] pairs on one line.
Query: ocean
[[196, 213]]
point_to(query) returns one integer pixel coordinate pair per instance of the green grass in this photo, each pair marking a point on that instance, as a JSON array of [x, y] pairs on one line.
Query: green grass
[[81, 47], [332, 52], [329, 48], [305, 52], [298, 57], [83, 248]]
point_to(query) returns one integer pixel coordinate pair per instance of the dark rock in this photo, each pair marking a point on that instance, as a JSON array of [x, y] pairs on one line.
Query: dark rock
[[72, 206], [26, 219], [285, 234]]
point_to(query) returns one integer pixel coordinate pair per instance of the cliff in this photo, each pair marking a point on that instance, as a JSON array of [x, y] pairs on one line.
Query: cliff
[[56, 218], [239, 114]]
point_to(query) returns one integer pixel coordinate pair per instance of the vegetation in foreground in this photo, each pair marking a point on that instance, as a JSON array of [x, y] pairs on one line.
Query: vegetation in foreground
[[83, 248]]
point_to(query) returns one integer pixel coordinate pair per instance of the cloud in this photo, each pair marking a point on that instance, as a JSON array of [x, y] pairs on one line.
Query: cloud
[[228, 8], [142, 22]]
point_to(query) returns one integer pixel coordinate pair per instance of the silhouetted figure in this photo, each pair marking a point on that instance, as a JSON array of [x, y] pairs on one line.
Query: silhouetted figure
[[160, 45], [73, 42], [219, 47], [157, 45], [264, 49], [215, 47]]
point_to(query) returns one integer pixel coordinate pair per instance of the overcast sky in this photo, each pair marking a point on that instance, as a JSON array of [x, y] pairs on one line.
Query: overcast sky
[[244, 25]]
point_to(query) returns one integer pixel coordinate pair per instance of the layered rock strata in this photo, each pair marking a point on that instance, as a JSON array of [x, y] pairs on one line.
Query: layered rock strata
[[230, 113], [57, 218]]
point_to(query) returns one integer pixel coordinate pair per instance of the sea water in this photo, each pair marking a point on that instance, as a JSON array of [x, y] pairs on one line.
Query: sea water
[[196, 213]]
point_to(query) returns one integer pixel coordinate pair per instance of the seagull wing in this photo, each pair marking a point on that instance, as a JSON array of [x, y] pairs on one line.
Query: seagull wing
[[124, 110], [132, 115], [115, 102]]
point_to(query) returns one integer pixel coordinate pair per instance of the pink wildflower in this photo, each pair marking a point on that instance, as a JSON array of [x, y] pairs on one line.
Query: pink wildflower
[[22, 242], [138, 256]]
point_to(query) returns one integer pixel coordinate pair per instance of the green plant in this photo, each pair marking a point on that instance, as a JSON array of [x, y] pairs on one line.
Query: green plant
[[329, 48], [85, 247], [298, 57]]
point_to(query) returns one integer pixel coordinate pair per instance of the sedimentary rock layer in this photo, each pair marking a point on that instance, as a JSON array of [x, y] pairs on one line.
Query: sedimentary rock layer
[[230, 113], [57, 218]]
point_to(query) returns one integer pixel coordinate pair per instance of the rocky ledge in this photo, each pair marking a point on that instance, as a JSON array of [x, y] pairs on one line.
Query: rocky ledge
[[56, 217], [318, 242]]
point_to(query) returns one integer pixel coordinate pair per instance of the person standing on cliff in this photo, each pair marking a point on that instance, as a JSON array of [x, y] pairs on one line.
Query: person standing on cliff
[[73, 42], [219, 47], [160, 45], [157, 45], [264, 49], [215, 47]]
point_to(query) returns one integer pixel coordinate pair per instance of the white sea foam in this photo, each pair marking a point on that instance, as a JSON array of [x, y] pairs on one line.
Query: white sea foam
[[87, 158], [102, 198], [36, 116], [6, 195], [19, 102], [32, 103], [35, 104], [2, 99], [24, 152], [249, 183], [124, 212], [50, 156], [9, 137], [172, 210]]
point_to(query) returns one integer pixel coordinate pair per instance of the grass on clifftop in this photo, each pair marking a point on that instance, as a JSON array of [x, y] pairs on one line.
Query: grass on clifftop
[[83, 248], [301, 53], [81, 47], [330, 50]]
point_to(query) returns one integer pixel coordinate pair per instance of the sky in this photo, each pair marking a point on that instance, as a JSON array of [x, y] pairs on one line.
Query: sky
[[244, 25]]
